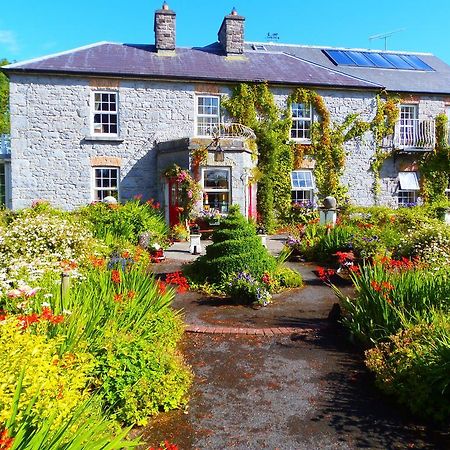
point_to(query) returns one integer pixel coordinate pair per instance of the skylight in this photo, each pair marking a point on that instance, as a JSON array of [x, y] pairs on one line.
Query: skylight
[[377, 59]]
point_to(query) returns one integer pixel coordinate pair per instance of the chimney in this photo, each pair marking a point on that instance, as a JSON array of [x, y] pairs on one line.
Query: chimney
[[231, 34], [165, 30]]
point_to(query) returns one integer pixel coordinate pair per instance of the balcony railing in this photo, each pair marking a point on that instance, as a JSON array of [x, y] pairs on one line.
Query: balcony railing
[[5, 145], [412, 134]]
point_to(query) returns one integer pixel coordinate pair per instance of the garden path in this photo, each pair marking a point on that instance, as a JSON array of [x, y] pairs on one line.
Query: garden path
[[304, 390]]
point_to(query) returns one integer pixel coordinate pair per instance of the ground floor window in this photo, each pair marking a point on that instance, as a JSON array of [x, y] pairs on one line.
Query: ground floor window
[[106, 182], [2, 184], [408, 188], [216, 189], [302, 184]]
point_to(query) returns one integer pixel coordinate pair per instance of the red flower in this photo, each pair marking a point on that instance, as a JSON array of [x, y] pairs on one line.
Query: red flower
[[115, 276], [118, 298], [2, 315], [387, 285], [5, 441], [375, 285], [354, 269], [137, 196], [343, 257], [161, 287], [131, 294], [57, 319], [28, 320], [178, 279]]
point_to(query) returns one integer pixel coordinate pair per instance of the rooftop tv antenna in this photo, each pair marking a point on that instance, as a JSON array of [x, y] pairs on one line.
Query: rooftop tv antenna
[[272, 37], [385, 36]]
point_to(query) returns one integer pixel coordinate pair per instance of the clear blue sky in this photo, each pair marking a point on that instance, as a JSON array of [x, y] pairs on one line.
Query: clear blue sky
[[35, 28]]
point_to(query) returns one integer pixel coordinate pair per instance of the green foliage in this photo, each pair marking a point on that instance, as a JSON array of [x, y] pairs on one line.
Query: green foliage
[[139, 377], [389, 295], [4, 101], [236, 248], [242, 287], [79, 431], [414, 367], [383, 125], [58, 383], [125, 222], [254, 106], [435, 166], [288, 278]]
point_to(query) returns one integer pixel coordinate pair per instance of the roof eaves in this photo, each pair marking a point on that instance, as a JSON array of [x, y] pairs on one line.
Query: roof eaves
[[374, 85]]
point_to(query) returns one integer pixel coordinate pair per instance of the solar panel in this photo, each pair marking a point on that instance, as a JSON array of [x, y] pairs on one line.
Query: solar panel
[[376, 59], [379, 61]]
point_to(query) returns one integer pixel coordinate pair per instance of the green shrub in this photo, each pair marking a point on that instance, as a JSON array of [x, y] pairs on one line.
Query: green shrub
[[236, 248], [414, 366], [139, 378], [288, 278], [242, 287], [126, 221], [58, 382]]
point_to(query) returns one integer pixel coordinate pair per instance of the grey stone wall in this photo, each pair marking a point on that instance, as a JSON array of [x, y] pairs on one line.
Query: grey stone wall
[[52, 147], [231, 34]]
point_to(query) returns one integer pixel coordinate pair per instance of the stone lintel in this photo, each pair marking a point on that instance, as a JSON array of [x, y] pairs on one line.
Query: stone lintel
[[107, 161]]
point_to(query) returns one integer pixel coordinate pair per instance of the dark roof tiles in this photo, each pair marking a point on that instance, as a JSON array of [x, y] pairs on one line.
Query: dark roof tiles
[[207, 63]]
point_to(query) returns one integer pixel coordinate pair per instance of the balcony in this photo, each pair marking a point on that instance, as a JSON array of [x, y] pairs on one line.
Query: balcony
[[412, 135], [5, 146]]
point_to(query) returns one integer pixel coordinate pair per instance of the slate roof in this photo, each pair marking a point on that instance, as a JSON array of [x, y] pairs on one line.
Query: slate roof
[[396, 80], [278, 64], [205, 63]]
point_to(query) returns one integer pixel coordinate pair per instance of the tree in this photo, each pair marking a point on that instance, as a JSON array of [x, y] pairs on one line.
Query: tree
[[4, 100]]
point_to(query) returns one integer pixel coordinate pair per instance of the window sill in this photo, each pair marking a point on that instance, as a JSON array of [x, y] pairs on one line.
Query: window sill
[[301, 141], [103, 138]]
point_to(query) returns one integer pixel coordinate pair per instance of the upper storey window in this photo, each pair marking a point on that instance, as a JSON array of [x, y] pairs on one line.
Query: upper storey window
[[105, 115], [207, 114], [301, 121]]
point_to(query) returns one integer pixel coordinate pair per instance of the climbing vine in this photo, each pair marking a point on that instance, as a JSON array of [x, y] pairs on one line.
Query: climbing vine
[[435, 166], [254, 106], [382, 126]]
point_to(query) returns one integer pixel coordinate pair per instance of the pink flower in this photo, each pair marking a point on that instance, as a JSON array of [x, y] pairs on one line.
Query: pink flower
[[32, 292]]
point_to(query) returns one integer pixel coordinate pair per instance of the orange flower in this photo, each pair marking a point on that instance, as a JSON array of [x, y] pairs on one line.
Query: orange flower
[[97, 262], [161, 287], [387, 285], [376, 286], [131, 294], [5, 441], [115, 276], [118, 298], [126, 255]]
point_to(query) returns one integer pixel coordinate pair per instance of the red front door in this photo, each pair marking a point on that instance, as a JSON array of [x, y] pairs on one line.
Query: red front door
[[174, 207]]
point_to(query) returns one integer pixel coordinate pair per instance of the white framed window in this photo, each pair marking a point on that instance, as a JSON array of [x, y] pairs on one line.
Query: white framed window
[[408, 188], [216, 183], [408, 125], [207, 114], [106, 182], [301, 121], [105, 120], [302, 184]]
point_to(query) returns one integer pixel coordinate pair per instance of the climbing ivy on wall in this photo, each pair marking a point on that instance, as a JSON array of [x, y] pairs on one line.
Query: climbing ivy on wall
[[382, 125], [435, 166], [254, 106]]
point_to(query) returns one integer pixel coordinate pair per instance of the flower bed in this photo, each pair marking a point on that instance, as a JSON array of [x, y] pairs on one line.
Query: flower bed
[[80, 358]]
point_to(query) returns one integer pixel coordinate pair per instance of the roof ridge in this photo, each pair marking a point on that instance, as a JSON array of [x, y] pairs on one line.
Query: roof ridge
[[334, 70], [54, 55], [329, 47]]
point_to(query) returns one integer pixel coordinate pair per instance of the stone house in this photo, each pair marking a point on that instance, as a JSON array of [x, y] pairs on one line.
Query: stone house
[[108, 118]]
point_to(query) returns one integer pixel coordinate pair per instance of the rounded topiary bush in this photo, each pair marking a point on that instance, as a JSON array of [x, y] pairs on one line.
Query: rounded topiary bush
[[235, 248]]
